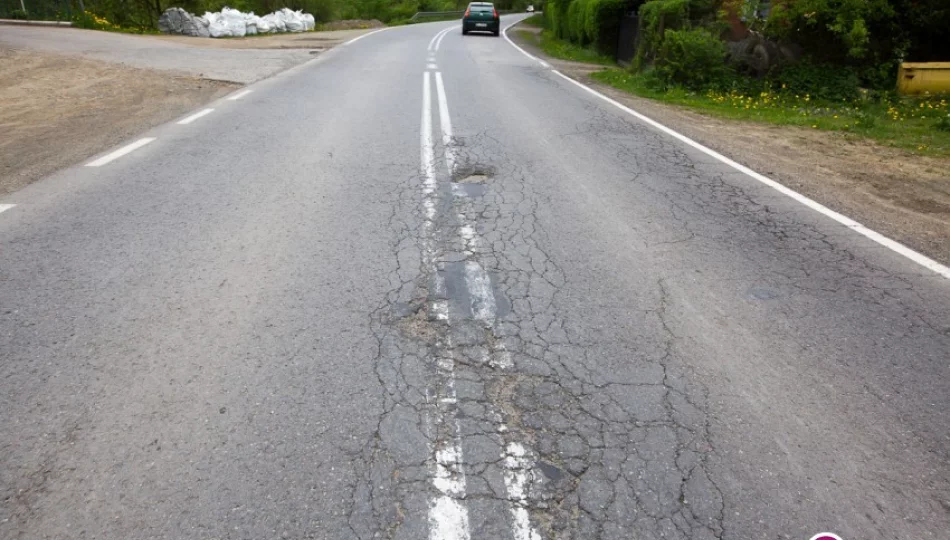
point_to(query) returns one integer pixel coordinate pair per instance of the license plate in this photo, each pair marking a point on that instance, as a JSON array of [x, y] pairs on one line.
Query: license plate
[[481, 25]]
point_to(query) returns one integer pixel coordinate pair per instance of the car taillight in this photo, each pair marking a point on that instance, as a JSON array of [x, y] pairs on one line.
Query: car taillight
[[495, 11], [467, 12]]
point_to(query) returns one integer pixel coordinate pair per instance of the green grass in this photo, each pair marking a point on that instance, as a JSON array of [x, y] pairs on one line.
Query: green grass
[[557, 48], [536, 20], [908, 123]]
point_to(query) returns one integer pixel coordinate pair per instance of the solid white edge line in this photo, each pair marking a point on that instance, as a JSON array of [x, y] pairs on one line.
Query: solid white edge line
[[194, 117], [872, 235], [446, 123], [120, 152], [239, 95], [524, 52], [357, 38], [875, 236], [5, 207]]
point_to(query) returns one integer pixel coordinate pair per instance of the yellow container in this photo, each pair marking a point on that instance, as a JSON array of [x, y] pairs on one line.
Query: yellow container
[[920, 77]]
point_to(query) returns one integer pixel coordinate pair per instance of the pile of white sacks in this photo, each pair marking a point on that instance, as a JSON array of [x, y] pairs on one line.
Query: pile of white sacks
[[231, 22]]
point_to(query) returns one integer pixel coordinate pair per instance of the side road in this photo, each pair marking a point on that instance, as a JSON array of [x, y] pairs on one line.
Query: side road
[[197, 57], [904, 196], [71, 93]]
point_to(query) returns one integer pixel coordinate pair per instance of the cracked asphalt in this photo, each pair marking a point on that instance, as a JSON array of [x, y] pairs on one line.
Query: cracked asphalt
[[276, 322]]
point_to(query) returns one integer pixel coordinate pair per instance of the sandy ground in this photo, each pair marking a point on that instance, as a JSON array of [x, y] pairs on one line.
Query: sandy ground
[[57, 110], [902, 195]]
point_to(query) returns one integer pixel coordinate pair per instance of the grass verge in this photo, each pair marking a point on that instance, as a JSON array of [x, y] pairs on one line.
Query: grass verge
[[536, 20], [557, 48], [920, 125]]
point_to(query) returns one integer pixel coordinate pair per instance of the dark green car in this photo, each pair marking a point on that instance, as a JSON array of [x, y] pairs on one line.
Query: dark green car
[[481, 17]]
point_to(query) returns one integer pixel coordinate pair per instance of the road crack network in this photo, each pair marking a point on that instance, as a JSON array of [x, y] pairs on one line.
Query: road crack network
[[481, 369]]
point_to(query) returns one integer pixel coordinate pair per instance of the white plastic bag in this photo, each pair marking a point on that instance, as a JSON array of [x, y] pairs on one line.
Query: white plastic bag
[[235, 20], [309, 23], [276, 22], [263, 27], [250, 24], [219, 28], [292, 20]]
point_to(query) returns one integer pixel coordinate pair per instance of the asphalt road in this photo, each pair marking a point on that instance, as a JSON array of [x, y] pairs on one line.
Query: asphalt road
[[424, 287]]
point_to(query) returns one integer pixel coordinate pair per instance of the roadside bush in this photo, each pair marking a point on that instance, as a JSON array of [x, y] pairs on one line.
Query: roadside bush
[[19, 14], [602, 24], [691, 58], [587, 22], [943, 123], [556, 13], [657, 16], [576, 13], [820, 81]]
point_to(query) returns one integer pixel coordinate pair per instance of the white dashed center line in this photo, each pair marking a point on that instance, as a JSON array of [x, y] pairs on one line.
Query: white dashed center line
[[120, 152], [518, 460], [239, 95], [5, 207], [194, 117]]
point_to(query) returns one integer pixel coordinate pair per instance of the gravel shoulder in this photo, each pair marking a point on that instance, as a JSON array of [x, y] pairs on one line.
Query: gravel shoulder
[[904, 196]]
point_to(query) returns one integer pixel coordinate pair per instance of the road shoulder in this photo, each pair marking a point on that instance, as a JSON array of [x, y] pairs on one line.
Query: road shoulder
[[903, 196]]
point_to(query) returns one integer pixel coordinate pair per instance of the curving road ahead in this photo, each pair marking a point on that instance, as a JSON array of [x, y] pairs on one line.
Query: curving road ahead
[[425, 287]]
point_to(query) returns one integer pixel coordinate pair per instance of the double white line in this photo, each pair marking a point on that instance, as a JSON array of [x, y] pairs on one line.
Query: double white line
[[448, 515], [436, 40]]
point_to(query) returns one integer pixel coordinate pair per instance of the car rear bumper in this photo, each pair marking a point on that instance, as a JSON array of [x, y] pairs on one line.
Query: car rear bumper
[[473, 26]]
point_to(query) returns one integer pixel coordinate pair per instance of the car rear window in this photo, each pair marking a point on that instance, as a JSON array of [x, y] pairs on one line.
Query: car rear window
[[481, 7]]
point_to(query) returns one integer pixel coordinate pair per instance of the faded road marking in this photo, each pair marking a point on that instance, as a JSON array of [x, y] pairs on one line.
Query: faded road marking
[[448, 516], [5, 207], [479, 288], [446, 123], [120, 152], [518, 472]]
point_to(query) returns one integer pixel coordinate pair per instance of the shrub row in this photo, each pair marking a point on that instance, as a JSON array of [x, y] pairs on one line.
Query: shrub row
[[587, 22]]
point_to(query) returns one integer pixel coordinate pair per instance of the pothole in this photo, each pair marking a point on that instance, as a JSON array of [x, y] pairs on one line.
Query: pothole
[[473, 179], [472, 174], [417, 326]]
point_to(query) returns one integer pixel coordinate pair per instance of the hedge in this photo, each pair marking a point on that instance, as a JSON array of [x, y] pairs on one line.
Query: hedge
[[587, 22]]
